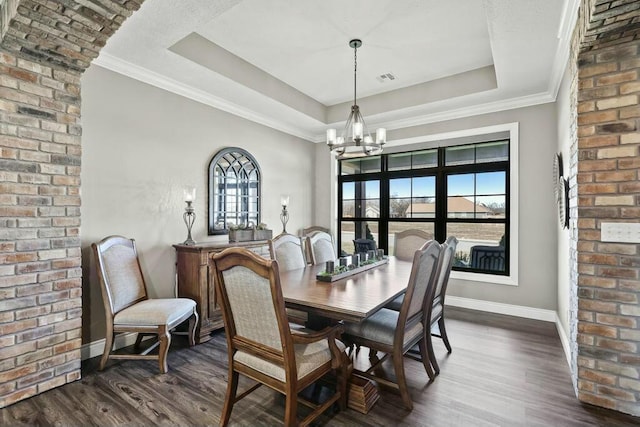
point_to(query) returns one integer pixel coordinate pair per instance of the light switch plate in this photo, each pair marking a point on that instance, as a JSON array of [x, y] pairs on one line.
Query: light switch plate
[[624, 232]]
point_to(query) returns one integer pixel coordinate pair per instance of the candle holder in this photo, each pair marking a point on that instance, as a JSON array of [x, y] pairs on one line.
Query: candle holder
[[284, 215], [189, 215]]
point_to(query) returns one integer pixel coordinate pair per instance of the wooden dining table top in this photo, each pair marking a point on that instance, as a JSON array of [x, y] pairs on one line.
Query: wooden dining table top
[[353, 298]]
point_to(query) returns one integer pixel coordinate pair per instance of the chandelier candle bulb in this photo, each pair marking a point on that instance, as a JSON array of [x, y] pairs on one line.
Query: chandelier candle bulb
[[357, 130], [381, 135], [331, 136], [189, 194], [284, 200]]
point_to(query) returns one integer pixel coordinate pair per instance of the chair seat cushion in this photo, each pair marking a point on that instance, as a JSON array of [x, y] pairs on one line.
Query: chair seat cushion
[[396, 303], [309, 357], [161, 311], [381, 327]]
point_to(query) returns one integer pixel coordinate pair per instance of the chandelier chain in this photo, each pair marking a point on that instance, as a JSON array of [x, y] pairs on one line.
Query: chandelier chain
[[355, 74]]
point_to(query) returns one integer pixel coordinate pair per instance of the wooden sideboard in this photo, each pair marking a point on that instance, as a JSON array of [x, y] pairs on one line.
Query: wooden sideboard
[[196, 280]]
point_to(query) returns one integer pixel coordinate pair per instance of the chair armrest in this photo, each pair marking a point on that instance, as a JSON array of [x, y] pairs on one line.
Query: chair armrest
[[331, 334]]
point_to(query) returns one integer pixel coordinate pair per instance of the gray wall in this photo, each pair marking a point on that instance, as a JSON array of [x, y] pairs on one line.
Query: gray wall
[[141, 146], [563, 105], [537, 211]]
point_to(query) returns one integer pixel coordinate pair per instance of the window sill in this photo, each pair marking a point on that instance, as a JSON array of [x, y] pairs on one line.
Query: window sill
[[485, 278]]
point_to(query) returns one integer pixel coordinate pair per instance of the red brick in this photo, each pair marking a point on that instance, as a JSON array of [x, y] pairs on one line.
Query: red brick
[[598, 306], [623, 346], [616, 176], [617, 393], [596, 376], [598, 259], [623, 321], [597, 117], [622, 273], [601, 330]]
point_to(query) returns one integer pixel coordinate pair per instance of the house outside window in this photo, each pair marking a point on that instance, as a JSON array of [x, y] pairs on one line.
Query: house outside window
[[460, 191]]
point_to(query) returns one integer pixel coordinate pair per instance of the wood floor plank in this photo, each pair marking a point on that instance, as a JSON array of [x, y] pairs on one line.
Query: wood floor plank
[[503, 371]]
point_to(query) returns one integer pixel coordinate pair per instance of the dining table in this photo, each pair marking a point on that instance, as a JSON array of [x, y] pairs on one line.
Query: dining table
[[352, 298]]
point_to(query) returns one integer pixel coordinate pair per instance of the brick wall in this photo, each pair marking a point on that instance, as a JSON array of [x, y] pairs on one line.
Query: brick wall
[[45, 47], [608, 190]]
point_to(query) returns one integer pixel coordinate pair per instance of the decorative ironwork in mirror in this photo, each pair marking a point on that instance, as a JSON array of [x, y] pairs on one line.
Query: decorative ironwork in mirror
[[234, 190]]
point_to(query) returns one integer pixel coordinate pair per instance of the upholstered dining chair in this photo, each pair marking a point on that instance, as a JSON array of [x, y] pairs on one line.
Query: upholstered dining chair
[[437, 311], [320, 247], [364, 245], [260, 342], [311, 229], [395, 333], [288, 251], [128, 307], [407, 242]]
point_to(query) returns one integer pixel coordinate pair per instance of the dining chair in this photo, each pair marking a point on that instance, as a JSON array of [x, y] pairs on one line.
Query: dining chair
[[407, 242], [438, 308], [364, 245], [260, 342], [437, 312], [128, 307], [320, 247], [288, 251], [395, 333], [309, 230]]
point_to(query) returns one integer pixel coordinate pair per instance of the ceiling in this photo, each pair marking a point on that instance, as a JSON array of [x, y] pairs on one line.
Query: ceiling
[[287, 63]]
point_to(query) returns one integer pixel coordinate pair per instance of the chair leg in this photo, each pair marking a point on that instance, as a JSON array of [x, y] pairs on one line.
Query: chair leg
[[443, 334], [343, 374], [291, 407], [193, 321], [165, 341], [432, 354], [398, 365], [139, 337], [426, 358], [108, 345], [230, 399]]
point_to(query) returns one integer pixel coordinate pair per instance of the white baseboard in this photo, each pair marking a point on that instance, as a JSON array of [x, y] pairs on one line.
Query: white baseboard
[[501, 308], [515, 310], [96, 348], [564, 340]]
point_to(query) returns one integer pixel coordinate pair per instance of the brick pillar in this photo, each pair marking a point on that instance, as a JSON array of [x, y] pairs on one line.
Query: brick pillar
[[609, 191], [45, 47]]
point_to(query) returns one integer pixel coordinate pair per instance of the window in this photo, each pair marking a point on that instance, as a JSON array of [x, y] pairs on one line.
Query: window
[[460, 191], [234, 190]]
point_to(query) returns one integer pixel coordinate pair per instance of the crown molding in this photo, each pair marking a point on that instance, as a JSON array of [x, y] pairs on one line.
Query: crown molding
[[567, 24], [150, 77], [145, 75]]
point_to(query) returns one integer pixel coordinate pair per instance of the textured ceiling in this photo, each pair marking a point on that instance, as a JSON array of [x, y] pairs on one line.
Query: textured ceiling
[[287, 63]]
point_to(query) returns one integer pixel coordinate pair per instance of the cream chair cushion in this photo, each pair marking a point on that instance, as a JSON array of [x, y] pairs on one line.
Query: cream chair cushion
[[123, 275], [161, 311], [381, 327], [309, 357], [290, 256], [407, 246]]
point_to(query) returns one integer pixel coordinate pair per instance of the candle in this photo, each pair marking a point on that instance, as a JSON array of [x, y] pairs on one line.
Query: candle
[[284, 200]]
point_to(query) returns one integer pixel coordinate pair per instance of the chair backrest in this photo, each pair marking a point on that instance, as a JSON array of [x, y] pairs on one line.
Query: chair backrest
[[407, 242], [448, 255], [421, 286], [252, 306], [364, 245], [309, 230], [488, 257], [119, 273], [320, 245], [287, 250]]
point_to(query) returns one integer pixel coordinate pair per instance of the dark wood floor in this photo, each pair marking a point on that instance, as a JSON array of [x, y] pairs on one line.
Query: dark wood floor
[[503, 371]]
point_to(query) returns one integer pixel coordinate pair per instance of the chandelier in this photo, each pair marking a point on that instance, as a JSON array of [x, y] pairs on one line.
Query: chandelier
[[355, 140]]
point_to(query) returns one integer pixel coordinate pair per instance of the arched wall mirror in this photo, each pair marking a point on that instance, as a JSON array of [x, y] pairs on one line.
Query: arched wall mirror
[[234, 190]]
